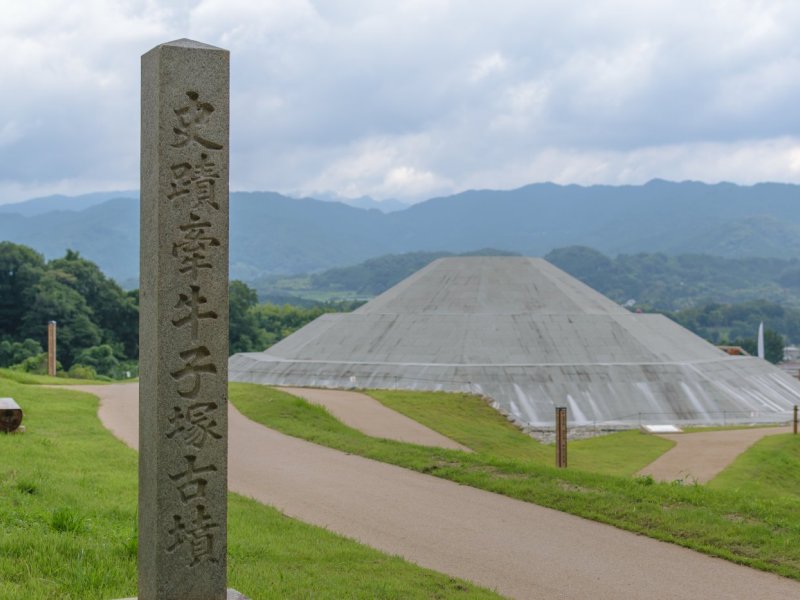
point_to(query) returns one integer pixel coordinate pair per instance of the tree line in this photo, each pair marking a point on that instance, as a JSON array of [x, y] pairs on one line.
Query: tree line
[[651, 281], [98, 321], [737, 325], [661, 282]]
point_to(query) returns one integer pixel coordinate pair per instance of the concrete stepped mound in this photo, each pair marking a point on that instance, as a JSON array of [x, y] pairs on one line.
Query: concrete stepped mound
[[530, 337]]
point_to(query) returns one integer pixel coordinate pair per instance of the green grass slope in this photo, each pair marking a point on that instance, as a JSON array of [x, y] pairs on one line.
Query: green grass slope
[[469, 420], [32, 378], [68, 512], [768, 469], [761, 533]]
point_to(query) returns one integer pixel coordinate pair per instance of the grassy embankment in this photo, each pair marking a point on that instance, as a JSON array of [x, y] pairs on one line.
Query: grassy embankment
[[68, 514], [32, 378], [769, 469], [759, 531], [472, 422]]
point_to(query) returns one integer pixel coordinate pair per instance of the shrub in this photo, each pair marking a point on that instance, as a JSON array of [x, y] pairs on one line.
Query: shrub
[[79, 371], [35, 364], [100, 358], [12, 353]]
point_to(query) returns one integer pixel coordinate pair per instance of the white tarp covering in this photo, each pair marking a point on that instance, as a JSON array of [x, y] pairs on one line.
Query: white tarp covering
[[530, 337]]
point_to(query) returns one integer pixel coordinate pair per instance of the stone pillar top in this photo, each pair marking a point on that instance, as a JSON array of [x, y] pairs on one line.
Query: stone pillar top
[[187, 43]]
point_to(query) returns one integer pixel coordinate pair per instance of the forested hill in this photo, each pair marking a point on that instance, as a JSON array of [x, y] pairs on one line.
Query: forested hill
[[98, 321], [668, 283], [274, 234], [59, 202], [720, 299], [652, 281]]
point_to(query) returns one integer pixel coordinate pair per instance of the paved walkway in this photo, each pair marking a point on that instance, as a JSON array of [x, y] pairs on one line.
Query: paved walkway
[[702, 456], [369, 416], [519, 549]]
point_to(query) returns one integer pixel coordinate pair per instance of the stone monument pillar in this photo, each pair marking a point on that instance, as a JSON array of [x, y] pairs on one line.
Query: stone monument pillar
[[183, 354], [51, 348]]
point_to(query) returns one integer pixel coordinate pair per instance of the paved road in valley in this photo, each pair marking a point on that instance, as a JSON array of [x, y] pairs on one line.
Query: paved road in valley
[[519, 549]]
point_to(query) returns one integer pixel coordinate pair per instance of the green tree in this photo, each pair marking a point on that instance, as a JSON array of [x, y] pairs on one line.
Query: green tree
[[113, 311], [12, 353], [278, 322], [101, 358], [53, 300], [773, 346], [20, 269], [245, 335], [36, 364]]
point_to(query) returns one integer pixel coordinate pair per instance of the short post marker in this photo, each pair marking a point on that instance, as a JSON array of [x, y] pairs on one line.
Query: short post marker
[[561, 437]]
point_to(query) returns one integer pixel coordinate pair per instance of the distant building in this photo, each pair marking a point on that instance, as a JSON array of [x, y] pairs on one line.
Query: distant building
[[791, 353], [529, 337], [734, 350]]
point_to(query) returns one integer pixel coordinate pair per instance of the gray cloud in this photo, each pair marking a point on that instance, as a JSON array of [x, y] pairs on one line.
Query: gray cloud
[[418, 98]]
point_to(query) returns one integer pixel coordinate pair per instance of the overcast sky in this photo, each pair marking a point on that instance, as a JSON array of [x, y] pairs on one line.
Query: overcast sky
[[418, 98]]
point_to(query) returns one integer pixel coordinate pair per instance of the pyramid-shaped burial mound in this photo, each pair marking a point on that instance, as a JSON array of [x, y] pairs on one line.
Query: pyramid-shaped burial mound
[[530, 337]]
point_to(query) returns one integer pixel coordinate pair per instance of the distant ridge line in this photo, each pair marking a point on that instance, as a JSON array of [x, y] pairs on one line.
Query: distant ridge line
[[275, 234]]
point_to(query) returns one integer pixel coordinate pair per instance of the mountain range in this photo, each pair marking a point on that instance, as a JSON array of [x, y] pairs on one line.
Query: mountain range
[[60, 202], [275, 234]]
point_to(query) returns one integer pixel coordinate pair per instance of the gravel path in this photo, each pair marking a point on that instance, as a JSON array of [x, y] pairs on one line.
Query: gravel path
[[519, 549], [369, 416], [702, 456]]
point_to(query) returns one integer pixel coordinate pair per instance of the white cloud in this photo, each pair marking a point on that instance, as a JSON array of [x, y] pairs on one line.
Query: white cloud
[[381, 168], [486, 66], [10, 132], [745, 162], [242, 24], [409, 99]]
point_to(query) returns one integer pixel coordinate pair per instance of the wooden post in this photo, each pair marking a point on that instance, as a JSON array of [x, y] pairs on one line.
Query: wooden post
[[794, 420], [561, 437], [51, 348]]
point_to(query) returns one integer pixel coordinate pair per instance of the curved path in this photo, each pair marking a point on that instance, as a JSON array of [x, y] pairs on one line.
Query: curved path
[[699, 457], [369, 416], [519, 549]]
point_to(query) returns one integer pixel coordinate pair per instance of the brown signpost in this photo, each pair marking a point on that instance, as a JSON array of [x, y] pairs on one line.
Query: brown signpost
[[561, 437], [51, 348]]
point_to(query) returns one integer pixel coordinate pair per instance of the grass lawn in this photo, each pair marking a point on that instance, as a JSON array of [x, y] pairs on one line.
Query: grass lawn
[[469, 420], [31, 378], [761, 532], [768, 469], [68, 512]]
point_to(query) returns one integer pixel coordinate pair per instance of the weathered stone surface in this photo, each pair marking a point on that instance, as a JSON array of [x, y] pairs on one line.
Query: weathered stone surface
[[183, 323]]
